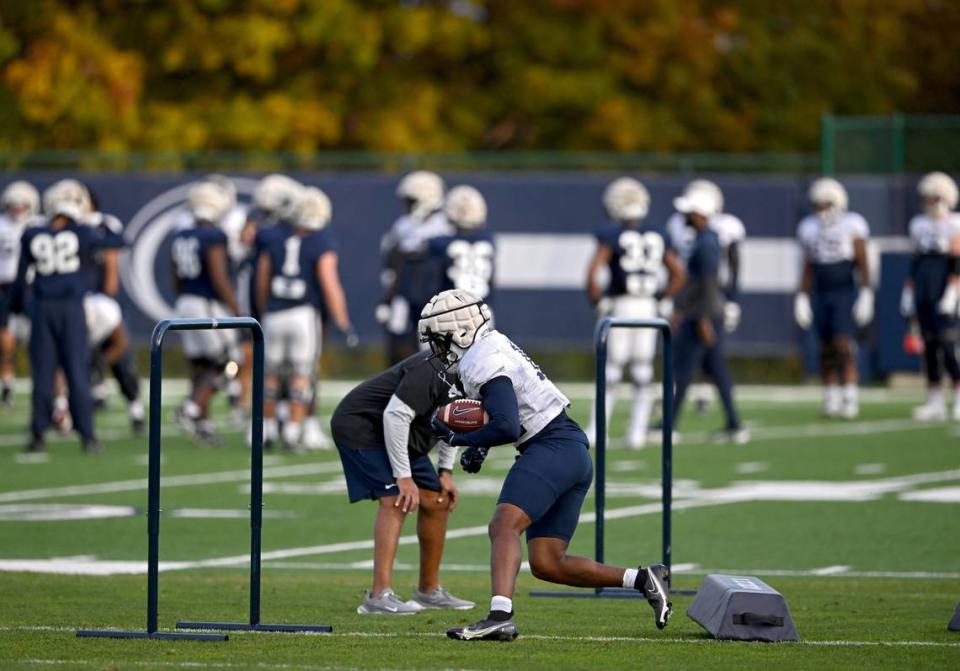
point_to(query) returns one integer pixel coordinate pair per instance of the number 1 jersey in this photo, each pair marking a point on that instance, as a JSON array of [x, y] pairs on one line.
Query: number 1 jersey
[[293, 265]]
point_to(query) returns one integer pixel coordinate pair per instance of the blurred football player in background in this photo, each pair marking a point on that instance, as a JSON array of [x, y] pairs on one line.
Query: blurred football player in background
[[382, 432], [466, 257], [698, 323], [407, 275], [60, 254], [201, 276], [932, 290], [637, 256], [296, 267], [835, 295], [19, 207], [731, 233], [545, 488], [108, 335]]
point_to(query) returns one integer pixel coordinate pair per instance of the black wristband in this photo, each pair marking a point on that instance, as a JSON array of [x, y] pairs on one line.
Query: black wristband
[[441, 470]]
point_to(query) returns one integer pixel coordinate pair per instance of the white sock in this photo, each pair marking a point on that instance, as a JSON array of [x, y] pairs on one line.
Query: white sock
[[61, 403], [850, 393], [191, 409], [935, 396], [640, 412], [630, 578], [270, 428], [136, 410], [292, 432], [501, 603]]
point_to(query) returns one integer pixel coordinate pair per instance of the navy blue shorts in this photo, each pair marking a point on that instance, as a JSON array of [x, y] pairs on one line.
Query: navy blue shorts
[[549, 482], [369, 475], [833, 313], [6, 291]]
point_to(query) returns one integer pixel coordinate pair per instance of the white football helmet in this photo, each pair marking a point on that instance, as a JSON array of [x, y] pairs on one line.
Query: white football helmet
[[450, 321], [68, 198], [465, 208], [21, 200], [626, 199], [709, 187], [225, 183], [697, 201], [940, 189], [828, 196], [314, 210], [424, 190], [278, 196], [207, 202]]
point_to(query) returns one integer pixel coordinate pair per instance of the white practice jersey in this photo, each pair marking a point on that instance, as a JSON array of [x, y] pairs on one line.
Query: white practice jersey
[[10, 233], [232, 224], [410, 236], [933, 237], [826, 243], [495, 355], [728, 228]]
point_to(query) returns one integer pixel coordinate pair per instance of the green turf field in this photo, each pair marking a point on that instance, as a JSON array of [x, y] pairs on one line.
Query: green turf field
[[855, 522]]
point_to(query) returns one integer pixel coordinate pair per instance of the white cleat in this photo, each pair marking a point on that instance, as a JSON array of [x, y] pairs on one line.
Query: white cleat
[[850, 410], [930, 412], [313, 437], [386, 603]]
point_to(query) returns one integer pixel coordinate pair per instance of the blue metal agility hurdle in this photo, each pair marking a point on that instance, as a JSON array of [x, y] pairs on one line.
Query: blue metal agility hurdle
[[600, 479], [153, 495]]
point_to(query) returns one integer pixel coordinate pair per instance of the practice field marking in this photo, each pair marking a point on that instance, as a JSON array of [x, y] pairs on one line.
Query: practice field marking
[[869, 469], [140, 484]]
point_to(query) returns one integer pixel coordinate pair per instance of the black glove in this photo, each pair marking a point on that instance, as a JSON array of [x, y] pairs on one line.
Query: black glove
[[472, 458]]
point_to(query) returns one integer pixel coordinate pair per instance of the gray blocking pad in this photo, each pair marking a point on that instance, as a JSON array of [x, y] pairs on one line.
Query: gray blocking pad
[[742, 608], [955, 622]]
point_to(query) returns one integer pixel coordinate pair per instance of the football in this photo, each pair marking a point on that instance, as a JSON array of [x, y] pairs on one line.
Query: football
[[463, 415]]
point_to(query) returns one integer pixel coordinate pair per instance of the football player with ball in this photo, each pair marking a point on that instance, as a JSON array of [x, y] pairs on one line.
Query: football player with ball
[[545, 488]]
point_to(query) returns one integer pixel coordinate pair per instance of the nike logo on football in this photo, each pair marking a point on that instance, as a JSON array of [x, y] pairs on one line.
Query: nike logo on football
[[461, 411]]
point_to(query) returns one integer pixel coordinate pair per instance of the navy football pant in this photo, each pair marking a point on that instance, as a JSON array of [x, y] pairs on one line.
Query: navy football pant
[[689, 354], [58, 338]]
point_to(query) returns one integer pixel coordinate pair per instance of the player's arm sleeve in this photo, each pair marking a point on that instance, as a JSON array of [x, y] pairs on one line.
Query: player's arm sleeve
[[19, 289], [446, 455], [732, 290], [500, 402], [396, 433]]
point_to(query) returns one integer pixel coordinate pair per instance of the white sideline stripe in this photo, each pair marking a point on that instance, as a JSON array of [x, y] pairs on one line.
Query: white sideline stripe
[[535, 637], [170, 481]]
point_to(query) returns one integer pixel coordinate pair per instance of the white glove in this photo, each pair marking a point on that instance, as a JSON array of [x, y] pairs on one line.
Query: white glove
[[863, 307], [731, 316], [604, 306], [907, 307], [665, 307], [802, 312], [399, 314], [948, 303]]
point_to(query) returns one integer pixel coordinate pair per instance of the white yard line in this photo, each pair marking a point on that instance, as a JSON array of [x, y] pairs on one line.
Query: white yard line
[[170, 481]]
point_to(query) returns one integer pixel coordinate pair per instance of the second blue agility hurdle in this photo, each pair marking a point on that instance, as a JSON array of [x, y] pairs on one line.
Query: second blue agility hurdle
[[153, 496], [600, 479]]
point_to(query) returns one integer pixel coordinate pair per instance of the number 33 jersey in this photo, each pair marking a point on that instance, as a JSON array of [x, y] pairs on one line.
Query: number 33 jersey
[[495, 355], [293, 264], [466, 261], [636, 263], [62, 258]]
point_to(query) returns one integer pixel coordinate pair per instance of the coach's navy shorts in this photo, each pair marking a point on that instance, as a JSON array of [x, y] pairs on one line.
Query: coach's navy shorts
[[550, 480], [833, 313], [6, 291], [369, 475]]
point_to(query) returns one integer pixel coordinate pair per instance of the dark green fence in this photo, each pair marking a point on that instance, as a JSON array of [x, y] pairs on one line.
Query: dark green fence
[[893, 144]]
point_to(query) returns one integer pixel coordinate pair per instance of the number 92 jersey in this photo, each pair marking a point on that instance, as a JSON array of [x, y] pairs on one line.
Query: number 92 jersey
[[293, 264], [466, 262], [62, 258], [636, 264]]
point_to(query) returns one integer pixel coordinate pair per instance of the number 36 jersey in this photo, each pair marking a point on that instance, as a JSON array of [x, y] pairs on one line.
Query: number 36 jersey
[[636, 264], [62, 258], [293, 264], [466, 262]]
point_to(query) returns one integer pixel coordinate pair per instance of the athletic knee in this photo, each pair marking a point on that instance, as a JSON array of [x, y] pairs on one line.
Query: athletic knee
[[546, 568], [642, 373], [614, 373]]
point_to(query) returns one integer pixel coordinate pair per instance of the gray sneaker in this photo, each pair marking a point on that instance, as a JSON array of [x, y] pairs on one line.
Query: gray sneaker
[[440, 598], [387, 603]]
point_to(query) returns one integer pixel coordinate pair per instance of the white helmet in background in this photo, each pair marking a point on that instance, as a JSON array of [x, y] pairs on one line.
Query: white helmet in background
[[450, 321], [226, 184], [940, 188], [207, 202], [697, 201], [828, 196], [709, 187], [424, 190], [465, 208], [278, 196], [67, 198], [314, 211], [626, 199], [21, 196]]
